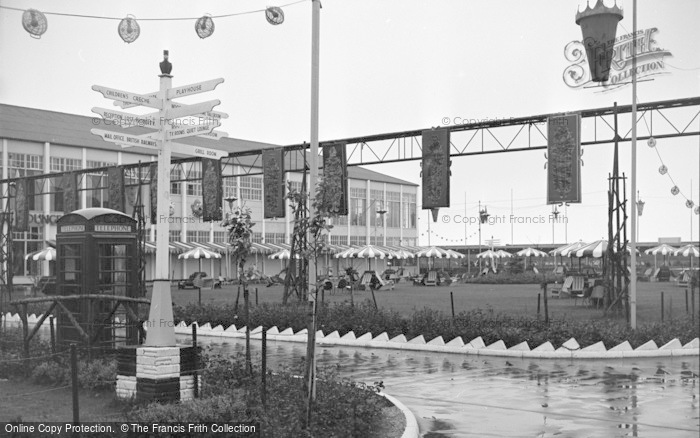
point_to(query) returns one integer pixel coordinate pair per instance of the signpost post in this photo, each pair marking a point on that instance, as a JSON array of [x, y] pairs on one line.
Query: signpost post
[[161, 328]]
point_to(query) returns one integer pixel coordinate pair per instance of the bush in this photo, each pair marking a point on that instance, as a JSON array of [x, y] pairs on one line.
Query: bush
[[230, 393]]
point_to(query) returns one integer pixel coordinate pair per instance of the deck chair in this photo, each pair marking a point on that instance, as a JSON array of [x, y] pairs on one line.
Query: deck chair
[[484, 272], [364, 281], [431, 279], [564, 289], [577, 289]]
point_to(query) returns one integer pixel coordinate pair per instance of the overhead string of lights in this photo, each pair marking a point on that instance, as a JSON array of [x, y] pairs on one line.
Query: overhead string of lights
[[450, 238], [36, 23], [663, 170]]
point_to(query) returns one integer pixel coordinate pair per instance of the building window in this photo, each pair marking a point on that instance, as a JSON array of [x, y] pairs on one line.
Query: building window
[[409, 210], [92, 164], [59, 164], [339, 240], [251, 188], [24, 243], [220, 236], [257, 238], [295, 186], [393, 209], [175, 184], [358, 240], [21, 165], [230, 188], [197, 236], [174, 235], [377, 203], [358, 206], [274, 237], [194, 188]]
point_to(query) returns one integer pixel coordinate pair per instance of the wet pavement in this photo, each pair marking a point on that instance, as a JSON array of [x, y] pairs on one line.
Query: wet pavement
[[470, 396]]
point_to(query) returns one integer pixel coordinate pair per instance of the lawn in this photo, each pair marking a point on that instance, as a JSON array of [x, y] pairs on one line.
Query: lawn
[[516, 300]]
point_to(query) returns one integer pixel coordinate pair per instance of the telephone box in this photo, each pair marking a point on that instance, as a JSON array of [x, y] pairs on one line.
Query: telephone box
[[96, 254]]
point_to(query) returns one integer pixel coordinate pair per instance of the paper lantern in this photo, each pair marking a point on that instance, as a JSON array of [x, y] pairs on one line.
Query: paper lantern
[[689, 203], [697, 210], [129, 29], [34, 22], [675, 190], [204, 26], [274, 15], [598, 26], [197, 208], [663, 169], [651, 142]]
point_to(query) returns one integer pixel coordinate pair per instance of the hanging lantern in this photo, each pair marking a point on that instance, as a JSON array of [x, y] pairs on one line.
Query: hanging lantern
[[34, 22], [204, 26], [129, 29], [689, 203], [697, 210], [274, 15], [197, 208], [663, 169], [171, 209], [651, 142], [598, 26], [675, 190]]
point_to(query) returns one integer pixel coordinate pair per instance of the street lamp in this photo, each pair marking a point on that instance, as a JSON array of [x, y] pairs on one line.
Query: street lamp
[[555, 215], [381, 215], [483, 217]]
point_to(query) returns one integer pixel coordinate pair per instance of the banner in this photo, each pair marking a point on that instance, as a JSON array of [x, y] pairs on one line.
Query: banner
[[69, 184], [116, 191], [212, 190], [563, 159], [24, 189], [273, 183], [154, 192], [335, 179], [436, 168]]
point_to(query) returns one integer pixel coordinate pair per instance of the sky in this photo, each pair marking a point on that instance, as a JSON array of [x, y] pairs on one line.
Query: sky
[[387, 66]]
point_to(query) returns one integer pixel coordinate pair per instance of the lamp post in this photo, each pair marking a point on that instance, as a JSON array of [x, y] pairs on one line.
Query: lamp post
[[381, 214], [483, 217], [554, 216]]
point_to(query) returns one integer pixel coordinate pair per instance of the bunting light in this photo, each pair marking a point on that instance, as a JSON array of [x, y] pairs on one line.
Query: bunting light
[[129, 29], [34, 22], [663, 170], [204, 26]]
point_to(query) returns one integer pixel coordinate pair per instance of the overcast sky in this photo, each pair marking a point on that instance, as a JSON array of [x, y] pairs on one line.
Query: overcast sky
[[386, 66]]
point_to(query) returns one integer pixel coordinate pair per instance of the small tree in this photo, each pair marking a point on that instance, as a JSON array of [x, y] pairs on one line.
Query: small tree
[[239, 225]]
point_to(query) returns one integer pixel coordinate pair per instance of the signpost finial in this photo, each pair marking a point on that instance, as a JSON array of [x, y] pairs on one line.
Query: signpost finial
[[165, 67]]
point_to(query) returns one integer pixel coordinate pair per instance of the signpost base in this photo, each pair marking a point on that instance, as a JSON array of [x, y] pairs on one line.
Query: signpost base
[[160, 326], [157, 373]]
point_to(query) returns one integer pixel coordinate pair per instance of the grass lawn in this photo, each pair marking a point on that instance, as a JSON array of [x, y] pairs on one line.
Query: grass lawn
[[517, 300]]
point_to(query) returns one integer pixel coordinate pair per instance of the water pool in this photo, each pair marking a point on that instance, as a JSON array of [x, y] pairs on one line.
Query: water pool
[[470, 396]]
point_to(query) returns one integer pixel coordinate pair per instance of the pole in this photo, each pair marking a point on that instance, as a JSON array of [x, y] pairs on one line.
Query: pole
[[480, 258], [633, 176], [313, 179], [161, 330], [74, 382], [511, 215]]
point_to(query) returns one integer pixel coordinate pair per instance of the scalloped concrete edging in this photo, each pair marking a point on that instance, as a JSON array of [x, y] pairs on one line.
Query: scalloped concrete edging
[[411, 430], [568, 350]]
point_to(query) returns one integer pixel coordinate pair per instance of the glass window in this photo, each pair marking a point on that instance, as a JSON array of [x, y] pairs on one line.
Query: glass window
[[408, 210], [393, 209], [377, 204], [358, 206], [251, 188]]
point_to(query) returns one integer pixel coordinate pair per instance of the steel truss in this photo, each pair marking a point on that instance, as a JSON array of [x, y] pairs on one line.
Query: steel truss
[[663, 119]]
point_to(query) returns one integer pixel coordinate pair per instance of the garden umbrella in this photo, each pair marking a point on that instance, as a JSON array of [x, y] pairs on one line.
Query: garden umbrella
[[530, 252], [597, 249], [663, 249], [199, 253], [400, 253], [688, 251], [369, 252], [565, 251], [489, 253], [503, 254], [44, 254], [433, 252]]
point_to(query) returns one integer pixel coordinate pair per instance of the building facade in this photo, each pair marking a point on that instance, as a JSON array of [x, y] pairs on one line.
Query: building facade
[[36, 142]]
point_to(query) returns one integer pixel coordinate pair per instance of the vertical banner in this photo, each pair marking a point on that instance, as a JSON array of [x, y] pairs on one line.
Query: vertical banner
[[563, 159], [116, 191], [273, 183], [335, 178], [436, 168], [69, 183], [154, 193], [22, 195], [212, 190]]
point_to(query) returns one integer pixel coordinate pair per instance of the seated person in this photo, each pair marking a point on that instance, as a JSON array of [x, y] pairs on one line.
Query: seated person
[[374, 283]]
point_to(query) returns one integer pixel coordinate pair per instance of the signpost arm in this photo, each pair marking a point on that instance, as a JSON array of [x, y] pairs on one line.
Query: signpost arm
[[161, 328]]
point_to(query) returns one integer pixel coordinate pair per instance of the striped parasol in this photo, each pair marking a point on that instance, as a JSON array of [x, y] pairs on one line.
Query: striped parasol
[[531, 252], [663, 249], [597, 249], [503, 254], [489, 253], [688, 251], [283, 254], [370, 252], [454, 254], [433, 252], [44, 254]]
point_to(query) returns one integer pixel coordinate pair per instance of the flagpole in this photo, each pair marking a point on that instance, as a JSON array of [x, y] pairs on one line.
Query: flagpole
[[633, 243]]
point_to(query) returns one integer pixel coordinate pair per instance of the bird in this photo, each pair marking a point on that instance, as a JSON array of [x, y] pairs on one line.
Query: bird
[[165, 66]]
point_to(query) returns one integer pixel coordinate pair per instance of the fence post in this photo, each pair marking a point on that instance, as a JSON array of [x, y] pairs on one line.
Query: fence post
[[692, 303], [238, 295], [263, 377], [539, 299], [248, 363], [686, 301], [452, 302], [74, 382], [662, 306], [256, 297], [196, 360], [373, 297], [670, 308], [546, 308], [53, 335]]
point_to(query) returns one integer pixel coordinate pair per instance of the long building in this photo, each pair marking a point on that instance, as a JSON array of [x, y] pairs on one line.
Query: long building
[[36, 142]]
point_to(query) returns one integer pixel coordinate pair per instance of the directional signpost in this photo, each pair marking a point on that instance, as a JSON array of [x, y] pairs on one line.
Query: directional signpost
[[161, 329]]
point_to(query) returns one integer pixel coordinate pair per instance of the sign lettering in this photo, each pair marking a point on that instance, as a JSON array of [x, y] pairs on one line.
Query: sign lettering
[[72, 228], [113, 228]]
